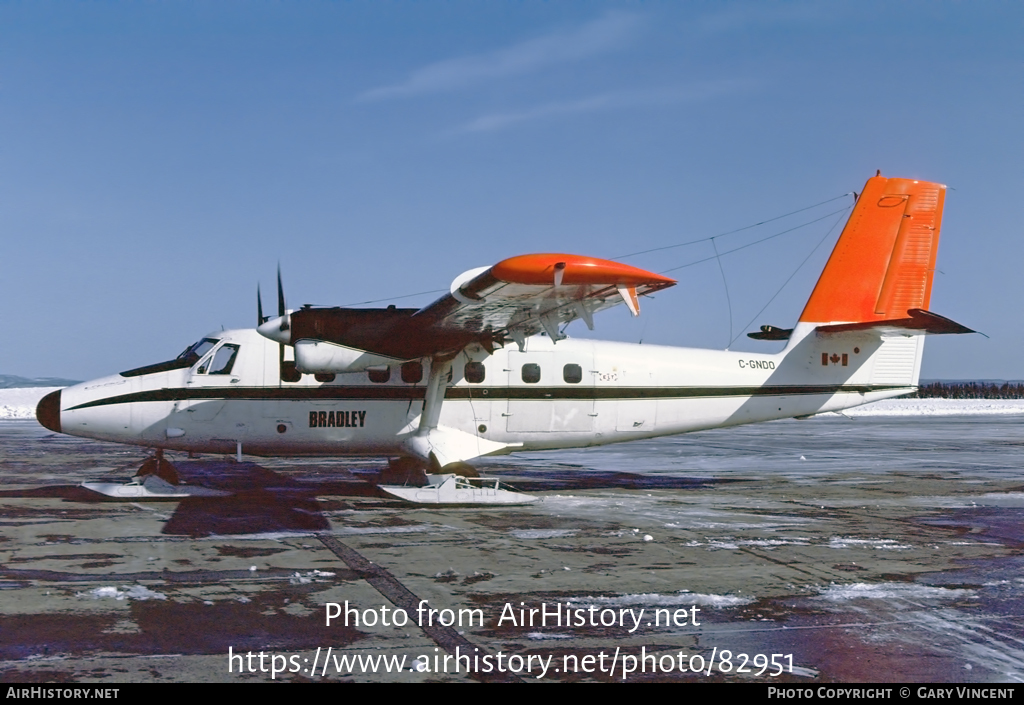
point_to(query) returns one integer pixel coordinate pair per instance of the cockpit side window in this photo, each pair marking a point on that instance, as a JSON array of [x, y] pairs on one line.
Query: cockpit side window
[[221, 362]]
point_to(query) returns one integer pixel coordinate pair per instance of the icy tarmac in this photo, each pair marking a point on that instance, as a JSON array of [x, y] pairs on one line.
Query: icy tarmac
[[878, 548]]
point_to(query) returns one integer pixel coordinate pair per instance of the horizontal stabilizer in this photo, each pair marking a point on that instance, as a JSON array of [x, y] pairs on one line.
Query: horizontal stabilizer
[[920, 322], [771, 333]]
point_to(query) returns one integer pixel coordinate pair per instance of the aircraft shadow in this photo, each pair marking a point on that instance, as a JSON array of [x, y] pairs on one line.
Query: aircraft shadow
[[266, 502], [263, 501]]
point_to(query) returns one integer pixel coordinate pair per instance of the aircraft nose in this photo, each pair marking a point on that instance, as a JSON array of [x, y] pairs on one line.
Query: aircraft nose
[[48, 411]]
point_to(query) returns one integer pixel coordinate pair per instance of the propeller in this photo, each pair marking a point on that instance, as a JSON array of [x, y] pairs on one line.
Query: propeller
[[278, 329]]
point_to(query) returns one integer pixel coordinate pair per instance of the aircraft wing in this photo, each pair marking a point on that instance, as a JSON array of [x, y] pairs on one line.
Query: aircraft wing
[[522, 296], [514, 299]]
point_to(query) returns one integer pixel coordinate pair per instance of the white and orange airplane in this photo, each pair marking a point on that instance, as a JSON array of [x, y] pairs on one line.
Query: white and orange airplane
[[485, 370]]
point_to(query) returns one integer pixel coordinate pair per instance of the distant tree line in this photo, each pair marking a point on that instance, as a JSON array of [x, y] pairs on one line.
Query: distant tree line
[[969, 390]]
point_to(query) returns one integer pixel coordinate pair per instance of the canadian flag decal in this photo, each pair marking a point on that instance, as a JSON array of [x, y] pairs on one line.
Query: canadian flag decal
[[835, 359]]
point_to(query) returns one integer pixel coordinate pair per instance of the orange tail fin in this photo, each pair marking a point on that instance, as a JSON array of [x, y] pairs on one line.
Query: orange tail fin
[[883, 264]]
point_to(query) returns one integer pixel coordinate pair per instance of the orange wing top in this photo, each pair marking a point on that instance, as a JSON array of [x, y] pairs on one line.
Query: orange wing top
[[575, 269], [524, 295], [883, 264]]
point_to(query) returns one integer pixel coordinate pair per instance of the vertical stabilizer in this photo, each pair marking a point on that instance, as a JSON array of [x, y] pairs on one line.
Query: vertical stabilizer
[[883, 264]]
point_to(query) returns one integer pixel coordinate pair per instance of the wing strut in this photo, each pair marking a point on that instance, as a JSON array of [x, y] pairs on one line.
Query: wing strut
[[440, 445], [437, 386]]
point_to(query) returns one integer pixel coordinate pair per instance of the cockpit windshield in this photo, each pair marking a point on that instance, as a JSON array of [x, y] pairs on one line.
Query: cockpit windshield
[[192, 354], [197, 350]]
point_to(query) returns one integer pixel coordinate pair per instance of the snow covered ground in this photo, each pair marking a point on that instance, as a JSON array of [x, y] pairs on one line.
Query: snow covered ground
[[21, 404]]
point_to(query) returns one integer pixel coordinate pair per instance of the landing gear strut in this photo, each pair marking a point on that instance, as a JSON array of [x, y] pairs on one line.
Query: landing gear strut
[[461, 469], [159, 466], [415, 473], [403, 471]]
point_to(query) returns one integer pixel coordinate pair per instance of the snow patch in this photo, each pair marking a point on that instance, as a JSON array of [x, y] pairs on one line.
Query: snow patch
[[133, 592], [766, 544], [655, 599], [937, 407], [299, 578], [889, 591], [877, 544], [542, 533]]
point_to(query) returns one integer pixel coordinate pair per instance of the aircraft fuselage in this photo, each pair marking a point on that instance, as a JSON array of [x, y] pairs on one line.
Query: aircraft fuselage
[[570, 394]]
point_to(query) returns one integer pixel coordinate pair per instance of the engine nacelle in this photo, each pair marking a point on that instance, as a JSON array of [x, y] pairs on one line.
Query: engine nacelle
[[319, 357]]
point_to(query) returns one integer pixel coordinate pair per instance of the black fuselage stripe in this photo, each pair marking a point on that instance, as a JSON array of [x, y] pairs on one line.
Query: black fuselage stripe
[[331, 393]]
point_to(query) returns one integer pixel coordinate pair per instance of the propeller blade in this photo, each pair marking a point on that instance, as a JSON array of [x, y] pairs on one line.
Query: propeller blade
[[260, 320], [280, 293], [282, 312]]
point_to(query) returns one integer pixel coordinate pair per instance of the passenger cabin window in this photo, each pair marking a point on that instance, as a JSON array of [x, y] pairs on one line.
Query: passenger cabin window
[[379, 375], [475, 372], [531, 373], [412, 372], [221, 362], [573, 374]]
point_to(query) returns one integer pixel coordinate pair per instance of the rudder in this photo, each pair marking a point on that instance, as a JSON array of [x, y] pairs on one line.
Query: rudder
[[883, 264]]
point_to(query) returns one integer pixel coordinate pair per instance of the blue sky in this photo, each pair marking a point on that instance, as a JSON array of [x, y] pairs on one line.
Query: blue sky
[[157, 160]]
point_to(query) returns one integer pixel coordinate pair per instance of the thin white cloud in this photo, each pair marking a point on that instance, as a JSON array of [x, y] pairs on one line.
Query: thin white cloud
[[498, 121], [601, 102], [607, 33]]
